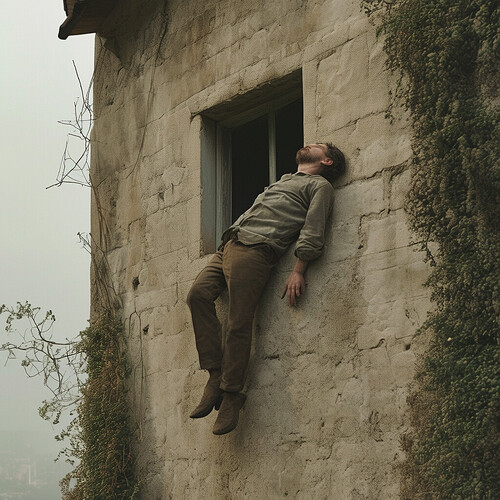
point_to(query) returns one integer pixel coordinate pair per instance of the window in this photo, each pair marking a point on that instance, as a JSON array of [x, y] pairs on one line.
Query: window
[[247, 145]]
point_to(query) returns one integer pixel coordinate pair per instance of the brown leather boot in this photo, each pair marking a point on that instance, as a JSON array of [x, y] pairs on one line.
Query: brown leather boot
[[229, 412], [212, 397]]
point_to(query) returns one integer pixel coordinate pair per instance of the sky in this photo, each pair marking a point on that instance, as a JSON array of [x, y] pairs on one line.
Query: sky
[[41, 258]]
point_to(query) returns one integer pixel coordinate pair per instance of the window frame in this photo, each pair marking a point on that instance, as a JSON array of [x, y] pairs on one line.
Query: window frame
[[216, 167]]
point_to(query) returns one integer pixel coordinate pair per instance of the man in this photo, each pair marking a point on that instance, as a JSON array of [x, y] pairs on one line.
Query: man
[[297, 206]]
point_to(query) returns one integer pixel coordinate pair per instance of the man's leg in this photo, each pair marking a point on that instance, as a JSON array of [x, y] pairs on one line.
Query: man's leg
[[247, 270], [201, 300]]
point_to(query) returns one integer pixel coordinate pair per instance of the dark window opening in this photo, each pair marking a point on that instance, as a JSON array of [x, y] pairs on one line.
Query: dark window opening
[[253, 167], [289, 137], [250, 163]]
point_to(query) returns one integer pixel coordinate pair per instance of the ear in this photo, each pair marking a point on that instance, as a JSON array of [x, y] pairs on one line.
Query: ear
[[327, 162]]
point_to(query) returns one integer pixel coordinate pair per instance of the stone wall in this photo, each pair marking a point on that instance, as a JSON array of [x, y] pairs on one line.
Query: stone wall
[[328, 381]]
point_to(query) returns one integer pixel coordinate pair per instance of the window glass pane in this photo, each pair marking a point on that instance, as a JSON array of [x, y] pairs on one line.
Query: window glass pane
[[250, 164], [289, 137]]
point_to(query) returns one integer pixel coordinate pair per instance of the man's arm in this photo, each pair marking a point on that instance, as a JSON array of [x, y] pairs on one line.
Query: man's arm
[[295, 284], [311, 239], [310, 243]]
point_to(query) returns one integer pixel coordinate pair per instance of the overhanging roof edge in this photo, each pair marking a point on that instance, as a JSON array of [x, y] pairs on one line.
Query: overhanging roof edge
[[70, 22], [84, 16]]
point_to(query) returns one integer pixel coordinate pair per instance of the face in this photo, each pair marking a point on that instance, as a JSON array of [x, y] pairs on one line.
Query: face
[[313, 153]]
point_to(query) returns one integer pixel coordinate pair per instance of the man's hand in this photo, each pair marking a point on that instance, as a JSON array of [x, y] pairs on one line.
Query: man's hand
[[295, 284]]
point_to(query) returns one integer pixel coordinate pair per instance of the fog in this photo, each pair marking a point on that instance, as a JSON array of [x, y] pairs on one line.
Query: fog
[[41, 259]]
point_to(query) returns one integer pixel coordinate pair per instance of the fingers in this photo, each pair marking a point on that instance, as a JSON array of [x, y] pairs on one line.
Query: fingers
[[293, 289], [293, 294], [290, 294]]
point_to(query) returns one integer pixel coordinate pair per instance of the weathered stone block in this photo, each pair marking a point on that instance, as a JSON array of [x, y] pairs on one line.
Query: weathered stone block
[[392, 274], [390, 146], [358, 199], [386, 233], [342, 241], [165, 230], [352, 89]]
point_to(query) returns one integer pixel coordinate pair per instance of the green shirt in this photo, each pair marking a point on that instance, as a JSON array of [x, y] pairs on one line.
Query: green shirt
[[296, 207]]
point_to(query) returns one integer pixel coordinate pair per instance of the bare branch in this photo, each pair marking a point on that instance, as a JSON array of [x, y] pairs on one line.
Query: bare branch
[[74, 169], [59, 363]]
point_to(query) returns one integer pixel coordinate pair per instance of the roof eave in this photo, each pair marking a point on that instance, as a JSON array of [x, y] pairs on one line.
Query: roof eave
[[87, 16]]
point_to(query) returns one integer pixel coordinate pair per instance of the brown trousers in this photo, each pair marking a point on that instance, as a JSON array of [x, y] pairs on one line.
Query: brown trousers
[[244, 270]]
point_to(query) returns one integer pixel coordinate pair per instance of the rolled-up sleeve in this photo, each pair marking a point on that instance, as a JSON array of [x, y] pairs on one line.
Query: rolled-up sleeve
[[312, 235]]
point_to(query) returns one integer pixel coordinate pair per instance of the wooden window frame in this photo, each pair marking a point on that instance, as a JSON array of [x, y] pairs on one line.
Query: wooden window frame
[[216, 167]]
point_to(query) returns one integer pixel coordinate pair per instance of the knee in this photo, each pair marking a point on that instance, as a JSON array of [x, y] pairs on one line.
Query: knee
[[196, 295]]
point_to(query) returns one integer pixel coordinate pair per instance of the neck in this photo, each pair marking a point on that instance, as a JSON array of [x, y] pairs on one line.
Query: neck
[[310, 168]]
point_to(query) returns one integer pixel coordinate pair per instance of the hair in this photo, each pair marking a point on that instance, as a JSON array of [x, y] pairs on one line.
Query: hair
[[337, 168]]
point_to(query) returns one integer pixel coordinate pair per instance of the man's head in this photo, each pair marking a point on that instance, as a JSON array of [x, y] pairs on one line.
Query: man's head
[[322, 159]]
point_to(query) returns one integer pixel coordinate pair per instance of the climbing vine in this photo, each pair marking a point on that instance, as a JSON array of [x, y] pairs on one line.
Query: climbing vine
[[447, 53], [103, 445]]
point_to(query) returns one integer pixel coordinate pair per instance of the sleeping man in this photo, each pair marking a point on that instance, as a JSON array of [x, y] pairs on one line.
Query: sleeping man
[[295, 208]]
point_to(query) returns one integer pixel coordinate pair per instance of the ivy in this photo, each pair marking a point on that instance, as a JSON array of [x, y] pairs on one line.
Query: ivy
[[103, 444], [448, 53]]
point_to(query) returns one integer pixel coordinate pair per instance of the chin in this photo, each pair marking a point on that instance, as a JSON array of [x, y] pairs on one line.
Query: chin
[[304, 156]]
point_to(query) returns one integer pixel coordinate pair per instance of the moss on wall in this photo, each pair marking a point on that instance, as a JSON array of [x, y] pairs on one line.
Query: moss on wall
[[448, 53], [103, 443]]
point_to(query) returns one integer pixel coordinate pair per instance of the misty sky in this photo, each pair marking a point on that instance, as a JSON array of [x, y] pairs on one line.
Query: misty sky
[[41, 259]]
